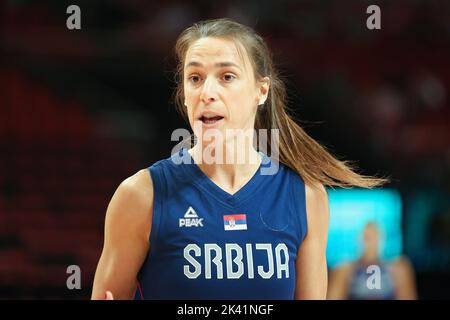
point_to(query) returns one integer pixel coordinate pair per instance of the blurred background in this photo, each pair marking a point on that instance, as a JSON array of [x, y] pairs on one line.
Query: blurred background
[[81, 110]]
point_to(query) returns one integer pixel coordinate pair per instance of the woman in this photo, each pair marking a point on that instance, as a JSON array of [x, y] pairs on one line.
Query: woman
[[396, 277], [214, 230]]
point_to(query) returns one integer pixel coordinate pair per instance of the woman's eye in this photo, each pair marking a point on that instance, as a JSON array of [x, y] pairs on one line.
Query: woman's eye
[[194, 79], [228, 77]]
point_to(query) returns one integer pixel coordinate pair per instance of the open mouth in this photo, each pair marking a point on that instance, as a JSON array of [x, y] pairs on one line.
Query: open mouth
[[210, 120]]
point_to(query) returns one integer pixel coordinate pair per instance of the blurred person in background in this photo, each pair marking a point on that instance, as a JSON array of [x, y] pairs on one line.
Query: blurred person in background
[[350, 281]]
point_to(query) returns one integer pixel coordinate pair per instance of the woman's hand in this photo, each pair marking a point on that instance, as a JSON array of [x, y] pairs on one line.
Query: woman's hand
[[109, 295]]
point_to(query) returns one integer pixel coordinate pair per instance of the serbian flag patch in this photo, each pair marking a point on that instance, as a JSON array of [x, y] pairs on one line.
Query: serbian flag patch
[[235, 222]]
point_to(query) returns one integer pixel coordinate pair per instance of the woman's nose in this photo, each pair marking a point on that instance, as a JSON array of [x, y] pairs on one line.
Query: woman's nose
[[209, 91]]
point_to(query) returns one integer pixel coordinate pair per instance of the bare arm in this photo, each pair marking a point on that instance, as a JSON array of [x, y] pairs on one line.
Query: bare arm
[[339, 282], [311, 264], [404, 279], [126, 243]]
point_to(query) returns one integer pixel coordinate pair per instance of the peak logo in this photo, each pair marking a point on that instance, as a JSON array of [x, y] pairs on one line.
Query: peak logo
[[191, 219]]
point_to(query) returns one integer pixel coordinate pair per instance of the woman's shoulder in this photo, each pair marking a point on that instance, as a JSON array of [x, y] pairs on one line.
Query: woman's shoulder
[[345, 268], [315, 191], [131, 206], [401, 265], [137, 186], [133, 197], [317, 210], [174, 160]]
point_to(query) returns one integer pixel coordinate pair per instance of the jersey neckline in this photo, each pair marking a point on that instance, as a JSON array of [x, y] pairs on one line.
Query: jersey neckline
[[202, 181]]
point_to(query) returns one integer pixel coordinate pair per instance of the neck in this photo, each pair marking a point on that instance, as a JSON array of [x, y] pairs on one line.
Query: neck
[[369, 257], [229, 169]]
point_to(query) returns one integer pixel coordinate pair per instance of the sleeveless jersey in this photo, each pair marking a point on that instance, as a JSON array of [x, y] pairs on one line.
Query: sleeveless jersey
[[206, 243], [359, 289]]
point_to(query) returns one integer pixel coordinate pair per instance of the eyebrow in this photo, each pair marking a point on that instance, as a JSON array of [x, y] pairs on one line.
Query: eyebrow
[[217, 65]]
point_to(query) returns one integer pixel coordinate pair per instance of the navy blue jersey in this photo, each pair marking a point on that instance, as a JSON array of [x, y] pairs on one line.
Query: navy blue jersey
[[208, 244], [359, 289]]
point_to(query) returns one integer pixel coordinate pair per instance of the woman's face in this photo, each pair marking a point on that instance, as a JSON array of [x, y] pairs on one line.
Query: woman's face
[[371, 239], [220, 84]]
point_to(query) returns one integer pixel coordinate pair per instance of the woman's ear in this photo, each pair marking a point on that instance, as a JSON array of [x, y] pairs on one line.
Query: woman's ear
[[264, 86]]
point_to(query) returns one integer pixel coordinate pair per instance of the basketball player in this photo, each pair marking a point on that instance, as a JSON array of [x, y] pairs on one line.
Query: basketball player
[[397, 279], [200, 230]]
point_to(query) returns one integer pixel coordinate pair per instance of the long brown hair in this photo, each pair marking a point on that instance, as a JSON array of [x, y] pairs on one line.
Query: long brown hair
[[297, 149]]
